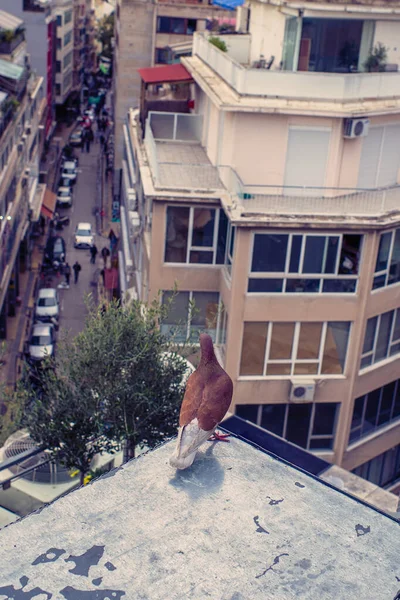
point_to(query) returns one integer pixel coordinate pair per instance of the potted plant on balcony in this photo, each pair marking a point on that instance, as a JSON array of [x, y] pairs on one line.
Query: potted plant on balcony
[[218, 43], [376, 60]]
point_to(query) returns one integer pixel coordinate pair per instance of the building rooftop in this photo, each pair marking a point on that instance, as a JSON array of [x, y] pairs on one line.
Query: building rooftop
[[8, 22], [238, 524]]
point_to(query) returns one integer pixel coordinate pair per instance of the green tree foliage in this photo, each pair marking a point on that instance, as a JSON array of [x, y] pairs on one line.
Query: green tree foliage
[[218, 43], [105, 35], [377, 58], [111, 384]]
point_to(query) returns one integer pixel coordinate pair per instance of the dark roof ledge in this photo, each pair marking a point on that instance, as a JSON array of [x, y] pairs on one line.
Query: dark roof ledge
[[238, 525]]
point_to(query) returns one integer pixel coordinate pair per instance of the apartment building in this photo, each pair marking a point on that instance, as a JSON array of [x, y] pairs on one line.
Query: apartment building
[[64, 13], [23, 103], [40, 36], [275, 206], [143, 33]]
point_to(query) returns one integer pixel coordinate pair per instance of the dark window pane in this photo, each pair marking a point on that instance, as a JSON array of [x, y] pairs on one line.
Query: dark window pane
[[247, 411], [336, 341], [350, 254], [358, 412], [331, 254], [383, 336], [203, 227], [176, 234], [369, 335], [396, 328], [163, 25], [324, 418], [394, 270], [221, 241], [175, 323], [302, 286], [314, 254], [269, 253], [394, 349], [321, 444], [379, 281], [339, 286], [298, 424], [295, 254], [265, 285], [191, 26], [253, 348], [178, 26], [201, 258], [371, 412], [366, 361], [273, 417], [386, 403], [383, 252], [396, 407], [281, 341]]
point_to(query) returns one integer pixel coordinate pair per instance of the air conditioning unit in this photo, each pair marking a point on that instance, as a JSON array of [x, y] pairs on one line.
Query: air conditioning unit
[[354, 128], [302, 391]]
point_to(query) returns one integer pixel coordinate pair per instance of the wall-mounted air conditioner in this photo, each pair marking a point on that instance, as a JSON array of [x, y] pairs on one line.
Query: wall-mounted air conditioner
[[302, 391], [354, 128]]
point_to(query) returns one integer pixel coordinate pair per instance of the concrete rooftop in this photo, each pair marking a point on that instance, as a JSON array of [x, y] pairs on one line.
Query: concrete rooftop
[[238, 525]]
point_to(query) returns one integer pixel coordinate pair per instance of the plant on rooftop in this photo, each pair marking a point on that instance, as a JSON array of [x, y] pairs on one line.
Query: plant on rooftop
[[377, 58], [110, 385], [218, 43], [106, 34]]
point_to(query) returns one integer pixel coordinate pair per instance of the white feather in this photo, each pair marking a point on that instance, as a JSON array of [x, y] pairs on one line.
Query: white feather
[[190, 438]]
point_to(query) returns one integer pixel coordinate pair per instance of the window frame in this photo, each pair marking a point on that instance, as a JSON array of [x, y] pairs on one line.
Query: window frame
[[293, 360], [391, 342], [393, 420], [287, 275], [230, 248], [385, 272], [185, 22]]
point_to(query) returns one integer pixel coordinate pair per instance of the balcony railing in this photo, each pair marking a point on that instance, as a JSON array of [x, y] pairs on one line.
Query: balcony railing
[[337, 87], [8, 46]]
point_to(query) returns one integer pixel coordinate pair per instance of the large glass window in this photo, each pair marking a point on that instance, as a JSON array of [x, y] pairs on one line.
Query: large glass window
[[67, 17], [382, 338], [176, 25], [387, 268], [195, 235], [375, 410], [276, 349], [383, 470], [68, 38], [309, 425], [189, 314], [302, 263]]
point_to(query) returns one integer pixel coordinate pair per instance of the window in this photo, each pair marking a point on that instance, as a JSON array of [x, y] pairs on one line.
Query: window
[[67, 17], [383, 470], [306, 158], [195, 235], [67, 59], [58, 89], [67, 38], [311, 426], [380, 157], [387, 268], [230, 246], [58, 66], [382, 338], [276, 349], [189, 314], [59, 20], [162, 56], [304, 264], [59, 43], [375, 410], [176, 25]]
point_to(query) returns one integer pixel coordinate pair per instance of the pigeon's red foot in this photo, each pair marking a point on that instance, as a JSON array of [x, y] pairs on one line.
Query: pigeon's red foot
[[219, 437]]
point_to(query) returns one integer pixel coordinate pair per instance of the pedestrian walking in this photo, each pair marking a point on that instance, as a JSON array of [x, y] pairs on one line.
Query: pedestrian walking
[[77, 268], [93, 253], [67, 273], [102, 140], [105, 254], [87, 144]]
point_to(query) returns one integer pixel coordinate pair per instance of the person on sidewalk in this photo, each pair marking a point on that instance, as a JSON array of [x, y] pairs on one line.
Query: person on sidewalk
[[77, 268], [93, 254], [105, 254], [67, 273]]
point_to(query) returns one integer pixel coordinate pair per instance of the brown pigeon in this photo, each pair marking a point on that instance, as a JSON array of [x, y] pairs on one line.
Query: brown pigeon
[[207, 398]]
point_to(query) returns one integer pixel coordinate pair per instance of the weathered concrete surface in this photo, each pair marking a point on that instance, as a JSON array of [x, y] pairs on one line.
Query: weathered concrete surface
[[237, 525]]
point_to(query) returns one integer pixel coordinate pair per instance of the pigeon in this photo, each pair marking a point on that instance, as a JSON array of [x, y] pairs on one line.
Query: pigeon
[[207, 398]]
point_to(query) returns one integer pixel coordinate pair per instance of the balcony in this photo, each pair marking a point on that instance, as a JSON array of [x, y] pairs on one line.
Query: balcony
[[234, 68], [176, 157], [9, 41]]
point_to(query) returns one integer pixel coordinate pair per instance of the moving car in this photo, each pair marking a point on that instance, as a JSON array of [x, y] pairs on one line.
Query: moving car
[[64, 196], [42, 341], [83, 236], [47, 305], [69, 171], [76, 137]]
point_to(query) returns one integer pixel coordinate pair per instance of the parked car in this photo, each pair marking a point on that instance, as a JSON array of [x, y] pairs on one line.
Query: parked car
[[64, 196], [83, 236], [64, 182], [47, 305], [55, 249], [90, 112], [41, 342], [76, 137], [69, 170]]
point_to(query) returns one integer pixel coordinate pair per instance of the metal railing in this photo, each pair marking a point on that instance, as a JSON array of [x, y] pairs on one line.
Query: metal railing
[[176, 127]]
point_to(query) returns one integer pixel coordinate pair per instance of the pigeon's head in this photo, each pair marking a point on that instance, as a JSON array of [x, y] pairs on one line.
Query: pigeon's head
[[206, 347]]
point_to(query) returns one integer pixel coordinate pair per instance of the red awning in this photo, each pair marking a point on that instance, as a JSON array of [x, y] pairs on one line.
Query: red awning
[[111, 279], [49, 204], [165, 73]]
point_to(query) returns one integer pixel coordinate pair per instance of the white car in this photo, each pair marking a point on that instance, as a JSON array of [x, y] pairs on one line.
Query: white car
[[47, 305], [83, 236], [69, 170], [64, 196], [42, 341]]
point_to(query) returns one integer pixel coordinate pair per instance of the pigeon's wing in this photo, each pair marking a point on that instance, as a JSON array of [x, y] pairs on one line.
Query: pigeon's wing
[[192, 398], [191, 437], [216, 398]]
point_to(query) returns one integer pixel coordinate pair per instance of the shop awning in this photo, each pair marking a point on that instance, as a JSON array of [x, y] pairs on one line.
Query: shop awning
[[229, 4], [165, 74], [49, 204]]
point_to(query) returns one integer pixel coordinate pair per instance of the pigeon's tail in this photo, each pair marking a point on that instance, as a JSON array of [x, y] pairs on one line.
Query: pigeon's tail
[[179, 462]]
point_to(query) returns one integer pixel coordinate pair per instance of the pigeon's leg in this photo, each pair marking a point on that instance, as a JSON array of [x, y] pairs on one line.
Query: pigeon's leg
[[219, 437]]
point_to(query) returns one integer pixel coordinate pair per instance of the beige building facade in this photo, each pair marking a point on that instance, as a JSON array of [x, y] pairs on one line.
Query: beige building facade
[[64, 12], [275, 207]]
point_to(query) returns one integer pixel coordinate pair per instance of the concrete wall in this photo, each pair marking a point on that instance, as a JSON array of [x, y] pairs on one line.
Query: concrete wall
[[267, 26]]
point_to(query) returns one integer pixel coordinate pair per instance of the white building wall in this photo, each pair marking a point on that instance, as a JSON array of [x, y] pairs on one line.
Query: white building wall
[[388, 33], [267, 26]]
